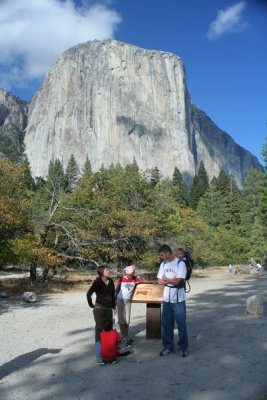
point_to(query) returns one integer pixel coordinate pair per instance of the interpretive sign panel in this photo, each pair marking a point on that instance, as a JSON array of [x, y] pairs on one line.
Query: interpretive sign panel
[[148, 293]]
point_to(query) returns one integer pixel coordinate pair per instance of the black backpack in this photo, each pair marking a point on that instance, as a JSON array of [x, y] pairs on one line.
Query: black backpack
[[189, 268], [189, 265]]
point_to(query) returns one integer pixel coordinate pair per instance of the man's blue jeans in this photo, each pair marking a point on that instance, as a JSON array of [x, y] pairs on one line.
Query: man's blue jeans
[[174, 312]]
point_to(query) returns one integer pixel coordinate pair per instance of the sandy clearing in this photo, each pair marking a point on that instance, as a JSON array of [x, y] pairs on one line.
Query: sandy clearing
[[47, 349]]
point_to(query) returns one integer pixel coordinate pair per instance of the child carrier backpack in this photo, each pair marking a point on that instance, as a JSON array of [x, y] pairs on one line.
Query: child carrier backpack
[[189, 268]]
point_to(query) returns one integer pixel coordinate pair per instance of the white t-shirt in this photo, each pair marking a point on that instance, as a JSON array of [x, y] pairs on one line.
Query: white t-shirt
[[127, 286], [173, 269]]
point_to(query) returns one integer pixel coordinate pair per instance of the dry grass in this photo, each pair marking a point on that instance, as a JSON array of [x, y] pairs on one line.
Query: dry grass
[[76, 282], [57, 285]]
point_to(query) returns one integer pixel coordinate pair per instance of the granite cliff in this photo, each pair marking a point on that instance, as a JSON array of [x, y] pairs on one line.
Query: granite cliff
[[116, 102], [13, 120]]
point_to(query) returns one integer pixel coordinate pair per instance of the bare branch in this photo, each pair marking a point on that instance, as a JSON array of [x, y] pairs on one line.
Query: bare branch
[[77, 258]]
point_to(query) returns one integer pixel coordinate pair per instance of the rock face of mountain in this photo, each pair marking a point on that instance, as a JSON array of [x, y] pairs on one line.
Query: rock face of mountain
[[13, 120], [218, 150], [115, 103]]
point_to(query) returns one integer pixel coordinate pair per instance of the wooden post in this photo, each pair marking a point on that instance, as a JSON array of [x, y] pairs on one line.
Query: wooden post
[[153, 321]]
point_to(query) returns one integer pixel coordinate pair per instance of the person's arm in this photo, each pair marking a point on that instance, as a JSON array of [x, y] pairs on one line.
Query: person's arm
[[180, 278], [113, 296], [160, 276], [118, 287], [173, 281], [89, 295]]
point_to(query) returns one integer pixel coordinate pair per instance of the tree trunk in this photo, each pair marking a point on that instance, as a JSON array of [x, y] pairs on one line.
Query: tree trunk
[[45, 274], [33, 272]]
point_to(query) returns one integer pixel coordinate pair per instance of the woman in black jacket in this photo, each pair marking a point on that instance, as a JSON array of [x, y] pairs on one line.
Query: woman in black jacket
[[103, 287]]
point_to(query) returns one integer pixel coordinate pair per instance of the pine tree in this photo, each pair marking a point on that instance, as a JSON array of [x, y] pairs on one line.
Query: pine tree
[[56, 180], [177, 178], [181, 190], [250, 198], [212, 206], [28, 175], [135, 165], [222, 182], [87, 167], [199, 186], [102, 168], [233, 203], [154, 176], [72, 174], [231, 195]]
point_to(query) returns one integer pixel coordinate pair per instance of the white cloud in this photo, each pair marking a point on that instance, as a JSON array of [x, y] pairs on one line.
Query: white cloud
[[229, 20], [34, 32]]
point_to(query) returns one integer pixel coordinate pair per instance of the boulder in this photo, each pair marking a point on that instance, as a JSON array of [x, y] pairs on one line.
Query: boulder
[[254, 271], [255, 305], [3, 295], [29, 297]]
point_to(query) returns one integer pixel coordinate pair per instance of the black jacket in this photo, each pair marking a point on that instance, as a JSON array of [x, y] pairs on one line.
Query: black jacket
[[105, 294]]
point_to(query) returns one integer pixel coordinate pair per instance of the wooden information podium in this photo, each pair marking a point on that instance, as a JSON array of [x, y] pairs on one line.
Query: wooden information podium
[[152, 295]]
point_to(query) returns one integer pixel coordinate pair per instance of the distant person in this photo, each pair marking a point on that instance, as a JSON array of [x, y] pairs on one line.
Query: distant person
[[230, 268], [109, 344], [124, 293], [103, 287], [172, 274], [258, 267]]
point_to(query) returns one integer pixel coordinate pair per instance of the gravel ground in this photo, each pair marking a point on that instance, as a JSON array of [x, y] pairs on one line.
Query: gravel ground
[[47, 349]]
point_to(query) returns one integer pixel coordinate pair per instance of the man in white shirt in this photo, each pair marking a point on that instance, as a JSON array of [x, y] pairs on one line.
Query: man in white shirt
[[172, 274]]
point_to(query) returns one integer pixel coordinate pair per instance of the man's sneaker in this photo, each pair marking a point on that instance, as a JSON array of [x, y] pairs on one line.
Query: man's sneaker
[[126, 343], [100, 362], [165, 352], [183, 354]]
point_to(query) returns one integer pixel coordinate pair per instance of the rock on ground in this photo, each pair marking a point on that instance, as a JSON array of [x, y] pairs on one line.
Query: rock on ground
[[29, 297], [255, 305]]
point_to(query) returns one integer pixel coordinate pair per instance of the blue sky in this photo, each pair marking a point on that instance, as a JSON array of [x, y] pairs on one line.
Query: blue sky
[[222, 43]]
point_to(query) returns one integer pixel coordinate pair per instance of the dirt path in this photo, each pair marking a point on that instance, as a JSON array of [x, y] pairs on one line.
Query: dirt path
[[47, 349]]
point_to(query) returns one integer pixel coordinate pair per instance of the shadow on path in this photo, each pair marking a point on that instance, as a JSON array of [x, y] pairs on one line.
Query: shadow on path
[[14, 303], [24, 360]]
